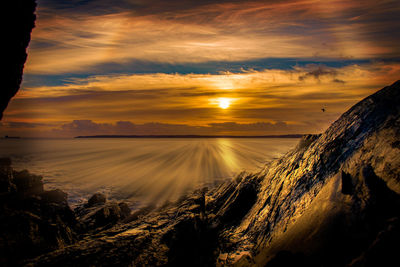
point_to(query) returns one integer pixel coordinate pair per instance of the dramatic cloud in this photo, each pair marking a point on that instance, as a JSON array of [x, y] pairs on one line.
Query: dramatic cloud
[[76, 37], [166, 66], [317, 72], [294, 97]]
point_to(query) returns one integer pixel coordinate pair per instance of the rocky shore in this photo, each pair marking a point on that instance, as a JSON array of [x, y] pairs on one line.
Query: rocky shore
[[36, 221], [332, 201]]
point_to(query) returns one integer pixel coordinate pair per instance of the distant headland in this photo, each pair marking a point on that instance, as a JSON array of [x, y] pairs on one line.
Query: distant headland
[[11, 137], [193, 136]]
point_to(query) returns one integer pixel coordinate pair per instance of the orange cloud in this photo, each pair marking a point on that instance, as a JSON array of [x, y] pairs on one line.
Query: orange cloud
[[293, 96], [71, 43]]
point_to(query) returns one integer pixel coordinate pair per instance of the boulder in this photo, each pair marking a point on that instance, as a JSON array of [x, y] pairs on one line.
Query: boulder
[[125, 210], [55, 196], [96, 199], [98, 213], [105, 215], [27, 184]]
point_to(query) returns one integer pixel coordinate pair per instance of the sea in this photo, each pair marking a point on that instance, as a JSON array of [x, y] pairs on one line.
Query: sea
[[140, 171]]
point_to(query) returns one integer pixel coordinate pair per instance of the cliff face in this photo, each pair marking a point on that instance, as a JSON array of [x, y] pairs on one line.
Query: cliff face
[[332, 201], [327, 200], [17, 35]]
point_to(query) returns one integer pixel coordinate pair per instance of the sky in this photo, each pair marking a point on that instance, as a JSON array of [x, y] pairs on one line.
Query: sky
[[201, 67]]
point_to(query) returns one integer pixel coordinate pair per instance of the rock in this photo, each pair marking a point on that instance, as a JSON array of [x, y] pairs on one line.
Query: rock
[[96, 199], [55, 196], [125, 210], [27, 184], [329, 198], [334, 200], [384, 249], [286, 258], [240, 201], [5, 163], [140, 213], [306, 140], [189, 242], [6, 185], [396, 144], [32, 220], [16, 36], [99, 213], [109, 214], [347, 183]]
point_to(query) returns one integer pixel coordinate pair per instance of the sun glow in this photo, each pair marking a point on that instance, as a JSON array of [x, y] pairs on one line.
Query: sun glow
[[224, 103]]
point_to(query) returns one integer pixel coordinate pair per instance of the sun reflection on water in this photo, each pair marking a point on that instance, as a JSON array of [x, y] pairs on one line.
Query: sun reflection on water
[[141, 171]]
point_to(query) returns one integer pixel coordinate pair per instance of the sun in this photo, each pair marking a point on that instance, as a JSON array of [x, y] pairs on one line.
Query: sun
[[224, 103]]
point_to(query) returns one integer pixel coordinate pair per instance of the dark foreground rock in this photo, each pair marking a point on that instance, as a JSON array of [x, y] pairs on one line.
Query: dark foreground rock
[[35, 221], [16, 35], [32, 221], [332, 201], [97, 214]]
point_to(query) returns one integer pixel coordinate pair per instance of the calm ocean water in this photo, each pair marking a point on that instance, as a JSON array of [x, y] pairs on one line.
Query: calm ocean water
[[139, 170]]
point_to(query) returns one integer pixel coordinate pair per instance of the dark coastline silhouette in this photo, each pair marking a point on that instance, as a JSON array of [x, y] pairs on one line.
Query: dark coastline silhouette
[[17, 35], [193, 136]]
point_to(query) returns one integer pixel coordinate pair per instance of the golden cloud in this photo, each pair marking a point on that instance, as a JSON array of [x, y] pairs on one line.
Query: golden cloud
[[293, 96], [71, 43]]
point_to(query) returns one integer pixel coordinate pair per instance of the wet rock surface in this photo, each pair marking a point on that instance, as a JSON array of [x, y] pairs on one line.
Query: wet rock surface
[[328, 199], [332, 201], [96, 199], [98, 214]]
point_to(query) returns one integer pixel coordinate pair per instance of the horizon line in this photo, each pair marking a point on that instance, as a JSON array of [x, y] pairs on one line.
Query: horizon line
[[191, 136]]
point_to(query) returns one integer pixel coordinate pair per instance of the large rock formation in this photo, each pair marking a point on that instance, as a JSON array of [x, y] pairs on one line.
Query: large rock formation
[[332, 201], [327, 202], [33, 221], [36, 221], [17, 35]]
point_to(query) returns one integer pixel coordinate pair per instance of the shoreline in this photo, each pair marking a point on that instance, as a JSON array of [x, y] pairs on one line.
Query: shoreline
[[333, 199]]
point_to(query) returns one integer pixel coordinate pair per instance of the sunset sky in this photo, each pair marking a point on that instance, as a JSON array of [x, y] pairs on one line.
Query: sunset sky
[[201, 67]]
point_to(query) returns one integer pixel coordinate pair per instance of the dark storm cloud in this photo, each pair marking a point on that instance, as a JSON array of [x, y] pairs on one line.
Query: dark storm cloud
[[317, 71], [338, 81]]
